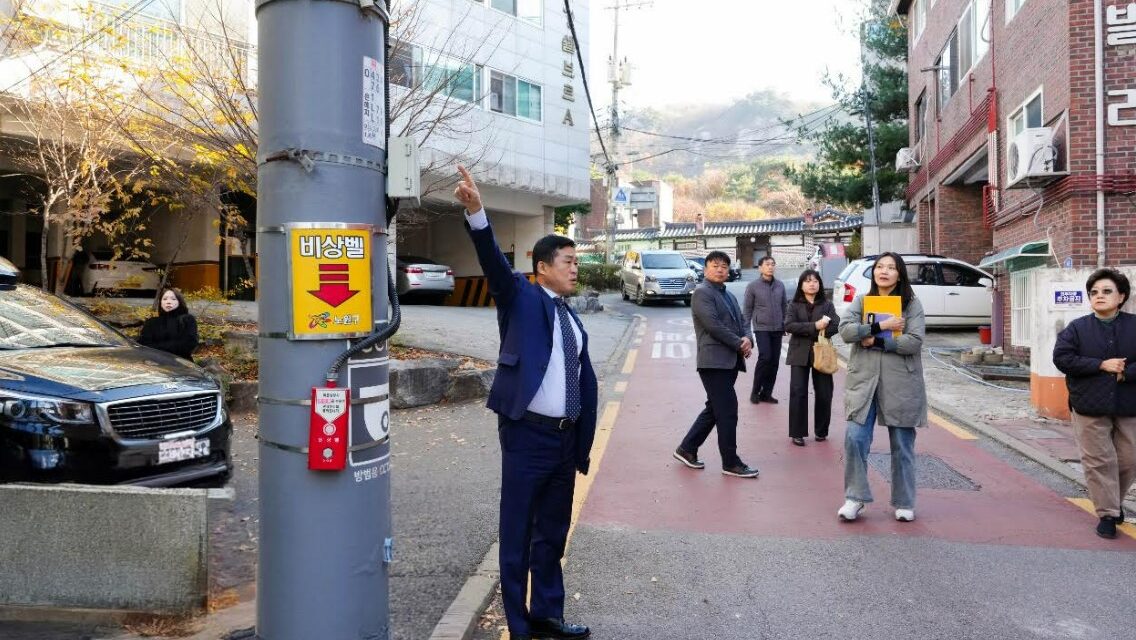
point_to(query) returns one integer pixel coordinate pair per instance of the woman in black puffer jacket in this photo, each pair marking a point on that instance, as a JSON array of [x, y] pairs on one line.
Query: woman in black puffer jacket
[[174, 330], [1097, 354]]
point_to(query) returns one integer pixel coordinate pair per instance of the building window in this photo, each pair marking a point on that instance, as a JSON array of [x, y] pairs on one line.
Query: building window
[[1021, 303], [1027, 116], [918, 19], [1012, 7], [413, 66], [948, 67], [514, 97], [973, 35], [531, 11], [920, 127]]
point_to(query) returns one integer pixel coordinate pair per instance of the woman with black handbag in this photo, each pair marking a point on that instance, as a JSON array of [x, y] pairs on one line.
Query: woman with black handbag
[[174, 330], [808, 317]]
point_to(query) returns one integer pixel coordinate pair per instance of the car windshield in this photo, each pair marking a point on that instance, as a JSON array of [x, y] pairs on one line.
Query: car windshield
[[663, 261], [31, 319]]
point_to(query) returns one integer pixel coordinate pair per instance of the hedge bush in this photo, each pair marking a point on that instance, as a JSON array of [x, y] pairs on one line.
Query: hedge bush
[[601, 277]]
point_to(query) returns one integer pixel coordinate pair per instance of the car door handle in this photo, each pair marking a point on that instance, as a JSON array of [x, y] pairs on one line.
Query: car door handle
[[954, 294]]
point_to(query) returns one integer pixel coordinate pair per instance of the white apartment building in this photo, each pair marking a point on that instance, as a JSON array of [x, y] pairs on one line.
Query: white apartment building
[[526, 129]]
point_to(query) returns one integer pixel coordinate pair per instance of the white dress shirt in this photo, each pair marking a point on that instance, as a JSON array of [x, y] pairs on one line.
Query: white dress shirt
[[550, 398]]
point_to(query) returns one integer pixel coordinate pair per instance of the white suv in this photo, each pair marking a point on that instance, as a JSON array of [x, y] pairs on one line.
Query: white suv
[[656, 274], [953, 293]]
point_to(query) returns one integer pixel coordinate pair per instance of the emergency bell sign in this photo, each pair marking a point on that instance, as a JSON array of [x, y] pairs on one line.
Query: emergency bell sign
[[1066, 296], [330, 272]]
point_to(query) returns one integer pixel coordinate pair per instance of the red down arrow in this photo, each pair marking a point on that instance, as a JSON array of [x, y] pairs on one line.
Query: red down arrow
[[334, 288]]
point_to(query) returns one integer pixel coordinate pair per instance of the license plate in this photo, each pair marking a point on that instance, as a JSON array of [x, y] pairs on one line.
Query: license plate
[[435, 276], [178, 450]]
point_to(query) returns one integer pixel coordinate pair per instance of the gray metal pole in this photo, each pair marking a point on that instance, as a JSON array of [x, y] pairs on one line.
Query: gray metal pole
[[613, 169], [865, 97], [324, 535]]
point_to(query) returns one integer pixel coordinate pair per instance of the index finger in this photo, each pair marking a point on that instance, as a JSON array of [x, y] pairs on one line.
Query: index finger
[[466, 178]]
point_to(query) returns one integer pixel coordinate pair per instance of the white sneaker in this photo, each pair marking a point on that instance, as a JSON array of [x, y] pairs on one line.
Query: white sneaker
[[850, 511], [905, 515]]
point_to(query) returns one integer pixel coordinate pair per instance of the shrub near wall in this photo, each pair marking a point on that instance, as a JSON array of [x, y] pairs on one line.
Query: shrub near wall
[[601, 277]]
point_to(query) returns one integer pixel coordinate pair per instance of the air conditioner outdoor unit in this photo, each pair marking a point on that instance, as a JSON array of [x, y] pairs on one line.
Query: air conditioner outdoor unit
[[907, 159], [1032, 160]]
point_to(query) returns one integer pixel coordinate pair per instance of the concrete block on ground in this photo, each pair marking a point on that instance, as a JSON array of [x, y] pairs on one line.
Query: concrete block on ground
[[414, 383], [245, 341], [103, 548], [242, 395], [467, 384]]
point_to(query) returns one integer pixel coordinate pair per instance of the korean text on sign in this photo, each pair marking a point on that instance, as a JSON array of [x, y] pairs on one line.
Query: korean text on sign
[[332, 246]]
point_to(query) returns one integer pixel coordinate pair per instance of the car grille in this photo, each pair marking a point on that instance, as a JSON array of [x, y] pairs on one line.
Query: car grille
[[672, 285], [158, 417]]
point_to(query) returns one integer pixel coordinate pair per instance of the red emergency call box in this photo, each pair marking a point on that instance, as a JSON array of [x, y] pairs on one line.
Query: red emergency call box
[[327, 433]]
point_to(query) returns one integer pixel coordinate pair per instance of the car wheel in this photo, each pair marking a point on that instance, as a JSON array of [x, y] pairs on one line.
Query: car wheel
[[639, 298], [623, 291], [686, 302]]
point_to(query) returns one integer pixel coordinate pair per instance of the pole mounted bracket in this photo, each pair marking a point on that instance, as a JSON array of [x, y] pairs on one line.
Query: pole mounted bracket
[[308, 159]]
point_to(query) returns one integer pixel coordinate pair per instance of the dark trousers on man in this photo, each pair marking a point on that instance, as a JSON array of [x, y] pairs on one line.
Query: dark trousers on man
[[768, 347], [538, 476], [799, 402], [721, 411]]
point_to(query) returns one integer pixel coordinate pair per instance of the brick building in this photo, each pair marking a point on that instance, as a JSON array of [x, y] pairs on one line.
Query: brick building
[[981, 75]]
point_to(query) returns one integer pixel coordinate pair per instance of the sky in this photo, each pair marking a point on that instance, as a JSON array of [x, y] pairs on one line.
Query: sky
[[714, 51]]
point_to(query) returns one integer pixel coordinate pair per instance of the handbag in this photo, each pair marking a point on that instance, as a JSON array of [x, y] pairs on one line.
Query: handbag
[[824, 355]]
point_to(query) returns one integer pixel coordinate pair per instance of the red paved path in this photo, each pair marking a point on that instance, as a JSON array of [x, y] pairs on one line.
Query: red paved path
[[641, 486]]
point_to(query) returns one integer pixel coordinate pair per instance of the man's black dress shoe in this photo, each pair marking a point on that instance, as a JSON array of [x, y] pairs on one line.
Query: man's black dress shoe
[[553, 628], [770, 399]]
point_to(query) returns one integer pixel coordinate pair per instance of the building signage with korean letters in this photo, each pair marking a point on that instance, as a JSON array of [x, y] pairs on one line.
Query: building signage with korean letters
[[568, 94], [330, 273], [1066, 296], [1120, 28]]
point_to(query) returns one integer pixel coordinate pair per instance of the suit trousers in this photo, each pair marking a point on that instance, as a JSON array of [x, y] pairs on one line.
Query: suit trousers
[[799, 402], [768, 347], [721, 411], [538, 477]]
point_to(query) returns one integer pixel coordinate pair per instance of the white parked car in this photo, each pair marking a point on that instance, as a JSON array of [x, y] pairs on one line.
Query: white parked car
[[102, 273], [418, 277], [953, 293]]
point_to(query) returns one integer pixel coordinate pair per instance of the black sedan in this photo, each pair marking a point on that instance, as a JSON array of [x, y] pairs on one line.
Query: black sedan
[[79, 402]]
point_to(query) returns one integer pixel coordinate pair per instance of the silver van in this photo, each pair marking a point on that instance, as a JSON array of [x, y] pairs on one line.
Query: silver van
[[656, 274]]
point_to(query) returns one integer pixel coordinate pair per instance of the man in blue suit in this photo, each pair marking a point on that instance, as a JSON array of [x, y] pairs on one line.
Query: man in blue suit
[[545, 396]]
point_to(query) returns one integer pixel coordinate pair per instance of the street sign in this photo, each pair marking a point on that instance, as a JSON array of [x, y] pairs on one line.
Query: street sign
[[622, 196], [644, 198], [1066, 296], [330, 272]]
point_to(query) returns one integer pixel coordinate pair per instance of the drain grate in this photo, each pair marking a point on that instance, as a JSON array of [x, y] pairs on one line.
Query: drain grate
[[930, 472]]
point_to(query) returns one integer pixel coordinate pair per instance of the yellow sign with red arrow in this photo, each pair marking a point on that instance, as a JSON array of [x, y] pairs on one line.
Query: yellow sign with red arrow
[[330, 267]]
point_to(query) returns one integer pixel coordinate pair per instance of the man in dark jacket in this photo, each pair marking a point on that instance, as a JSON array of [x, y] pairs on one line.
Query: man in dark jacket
[[765, 302], [723, 343], [1097, 354], [545, 395]]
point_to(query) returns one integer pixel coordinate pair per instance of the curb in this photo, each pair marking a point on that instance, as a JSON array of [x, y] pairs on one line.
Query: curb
[[460, 619]]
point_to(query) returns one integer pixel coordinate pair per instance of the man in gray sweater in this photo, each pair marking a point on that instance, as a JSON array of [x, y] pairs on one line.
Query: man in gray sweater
[[764, 308]]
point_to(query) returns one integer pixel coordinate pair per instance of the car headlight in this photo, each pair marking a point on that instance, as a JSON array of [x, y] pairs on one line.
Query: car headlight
[[650, 279], [690, 278], [25, 407]]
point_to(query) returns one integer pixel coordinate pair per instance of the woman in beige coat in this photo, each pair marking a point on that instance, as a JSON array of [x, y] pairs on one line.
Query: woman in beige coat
[[884, 384]]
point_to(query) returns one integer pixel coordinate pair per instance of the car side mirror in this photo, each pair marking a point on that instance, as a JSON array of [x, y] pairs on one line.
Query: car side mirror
[[986, 282]]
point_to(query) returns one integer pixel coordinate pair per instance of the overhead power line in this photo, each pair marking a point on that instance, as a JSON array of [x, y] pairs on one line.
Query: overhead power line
[[584, 79], [805, 119]]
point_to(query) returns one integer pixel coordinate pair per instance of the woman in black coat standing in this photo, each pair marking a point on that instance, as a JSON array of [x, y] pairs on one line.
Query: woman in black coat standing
[[174, 330], [1097, 354], [807, 316]]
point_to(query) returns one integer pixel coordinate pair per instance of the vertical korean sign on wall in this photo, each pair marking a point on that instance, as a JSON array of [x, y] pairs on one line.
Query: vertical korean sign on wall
[[330, 270], [1120, 26], [374, 109]]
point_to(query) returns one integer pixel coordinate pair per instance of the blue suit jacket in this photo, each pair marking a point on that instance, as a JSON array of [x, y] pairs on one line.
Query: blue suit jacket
[[525, 314]]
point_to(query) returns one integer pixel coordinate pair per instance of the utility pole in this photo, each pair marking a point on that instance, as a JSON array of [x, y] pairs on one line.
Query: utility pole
[[865, 96], [324, 472], [619, 73]]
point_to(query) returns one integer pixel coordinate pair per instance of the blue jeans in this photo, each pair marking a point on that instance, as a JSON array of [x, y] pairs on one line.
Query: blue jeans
[[857, 444]]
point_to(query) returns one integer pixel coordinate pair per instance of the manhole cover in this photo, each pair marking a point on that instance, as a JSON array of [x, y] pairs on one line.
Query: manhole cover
[[930, 472]]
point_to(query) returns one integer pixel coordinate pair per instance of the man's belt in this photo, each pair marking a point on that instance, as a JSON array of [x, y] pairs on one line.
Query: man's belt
[[560, 424]]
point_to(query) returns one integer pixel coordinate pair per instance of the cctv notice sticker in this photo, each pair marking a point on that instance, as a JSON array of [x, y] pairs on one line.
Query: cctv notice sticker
[[374, 107]]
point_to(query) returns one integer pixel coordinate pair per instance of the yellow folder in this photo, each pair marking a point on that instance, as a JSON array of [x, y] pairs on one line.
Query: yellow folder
[[880, 308]]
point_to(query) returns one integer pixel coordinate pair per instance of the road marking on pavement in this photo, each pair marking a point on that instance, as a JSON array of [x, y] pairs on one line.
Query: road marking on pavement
[[629, 364], [621, 386], [1086, 504], [957, 430]]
